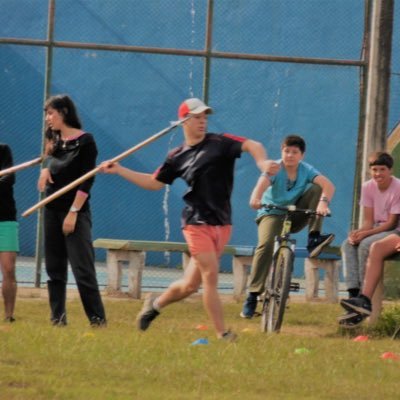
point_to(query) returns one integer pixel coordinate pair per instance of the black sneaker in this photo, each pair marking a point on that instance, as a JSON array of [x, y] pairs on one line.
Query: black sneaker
[[148, 313], [59, 321], [361, 304], [9, 319], [229, 336], [97, 322], [316, 243], [353, 292], [250, 305], [351, 319]]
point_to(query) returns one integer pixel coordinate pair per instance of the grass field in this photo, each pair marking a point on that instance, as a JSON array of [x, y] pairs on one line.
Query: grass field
[[309, 359]]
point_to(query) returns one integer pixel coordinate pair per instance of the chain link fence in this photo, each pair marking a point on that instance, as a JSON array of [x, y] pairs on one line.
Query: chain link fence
[[269, 68]]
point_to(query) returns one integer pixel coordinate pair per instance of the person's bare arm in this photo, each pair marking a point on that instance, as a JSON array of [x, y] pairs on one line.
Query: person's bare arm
[[368, 228], [143, 180], [258, 152], [328, 190], [261, 186]]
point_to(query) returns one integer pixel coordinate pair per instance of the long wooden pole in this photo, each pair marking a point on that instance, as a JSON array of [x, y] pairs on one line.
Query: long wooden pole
[[21, 166], [94, 171]]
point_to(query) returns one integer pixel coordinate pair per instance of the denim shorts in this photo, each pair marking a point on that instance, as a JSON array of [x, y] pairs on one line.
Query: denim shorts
[[9, 236]]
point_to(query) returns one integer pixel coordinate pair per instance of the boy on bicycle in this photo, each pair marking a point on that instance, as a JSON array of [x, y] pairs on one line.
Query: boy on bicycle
[[296, 183]]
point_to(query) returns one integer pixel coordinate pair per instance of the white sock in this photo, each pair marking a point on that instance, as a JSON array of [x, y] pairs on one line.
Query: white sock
[[156, 306]]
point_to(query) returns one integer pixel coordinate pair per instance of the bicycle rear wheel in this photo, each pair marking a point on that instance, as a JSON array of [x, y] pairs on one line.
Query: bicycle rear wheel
[[279, 292]]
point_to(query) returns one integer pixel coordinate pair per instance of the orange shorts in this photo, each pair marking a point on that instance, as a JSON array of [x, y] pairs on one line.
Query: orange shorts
[[207, 238]]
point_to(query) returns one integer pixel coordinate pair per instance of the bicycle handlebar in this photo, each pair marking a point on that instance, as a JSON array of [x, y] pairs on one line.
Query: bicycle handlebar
[[292, 209]]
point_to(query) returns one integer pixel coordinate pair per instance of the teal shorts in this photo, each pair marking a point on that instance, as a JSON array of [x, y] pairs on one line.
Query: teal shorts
[[9, 236]]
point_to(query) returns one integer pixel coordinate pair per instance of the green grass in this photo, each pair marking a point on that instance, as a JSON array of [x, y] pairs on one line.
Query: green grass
[[38, 361]]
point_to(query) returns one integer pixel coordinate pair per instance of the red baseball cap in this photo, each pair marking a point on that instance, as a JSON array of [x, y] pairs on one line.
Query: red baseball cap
[[193, 106]]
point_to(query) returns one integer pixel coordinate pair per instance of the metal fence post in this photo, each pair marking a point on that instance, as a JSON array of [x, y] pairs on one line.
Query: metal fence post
[[47, 87], [208, 48]]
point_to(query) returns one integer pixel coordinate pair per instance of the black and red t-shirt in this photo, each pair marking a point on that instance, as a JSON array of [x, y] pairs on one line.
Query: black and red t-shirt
[[207, 168]]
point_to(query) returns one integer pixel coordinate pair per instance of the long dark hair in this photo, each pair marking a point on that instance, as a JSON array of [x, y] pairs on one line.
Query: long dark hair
[[66, 107]]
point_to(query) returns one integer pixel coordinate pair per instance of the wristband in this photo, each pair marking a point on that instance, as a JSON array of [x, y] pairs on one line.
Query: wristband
[[73, 209], [324, 199], [265, 175]]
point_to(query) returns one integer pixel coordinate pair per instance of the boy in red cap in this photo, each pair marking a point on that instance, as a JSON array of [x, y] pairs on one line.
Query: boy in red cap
[[205, 161]]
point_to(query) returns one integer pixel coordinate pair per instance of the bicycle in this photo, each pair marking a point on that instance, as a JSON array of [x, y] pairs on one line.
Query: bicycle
[[278, 283]]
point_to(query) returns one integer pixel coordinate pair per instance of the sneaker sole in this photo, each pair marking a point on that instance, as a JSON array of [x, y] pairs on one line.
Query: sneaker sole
[[350, 326], [319, 248], [351, 307], [351, 320], [347, 316]]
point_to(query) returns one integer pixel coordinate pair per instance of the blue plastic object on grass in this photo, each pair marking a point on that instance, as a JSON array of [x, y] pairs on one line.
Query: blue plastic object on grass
[[200, 341]]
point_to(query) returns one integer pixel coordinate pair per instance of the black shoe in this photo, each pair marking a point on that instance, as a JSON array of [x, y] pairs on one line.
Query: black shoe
[[59, 321], [147, 314], [316, 243], [229, 336], [250, 305], [361, 304], [353, 292], [9, 319], [96, 322], [347, 315], [351, 319]]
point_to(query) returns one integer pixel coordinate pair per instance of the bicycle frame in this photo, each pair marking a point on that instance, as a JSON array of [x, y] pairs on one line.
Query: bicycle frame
[[278, 281], [284, 238]]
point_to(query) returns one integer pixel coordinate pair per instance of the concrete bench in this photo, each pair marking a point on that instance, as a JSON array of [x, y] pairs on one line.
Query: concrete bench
[[329, 261], [134, 252], [388, 287]]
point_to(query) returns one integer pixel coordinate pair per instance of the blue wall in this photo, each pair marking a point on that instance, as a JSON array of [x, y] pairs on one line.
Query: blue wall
[[124, 98]]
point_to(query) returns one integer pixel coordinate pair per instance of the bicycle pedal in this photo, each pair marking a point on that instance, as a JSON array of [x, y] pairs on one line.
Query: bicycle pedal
[[294, 286]]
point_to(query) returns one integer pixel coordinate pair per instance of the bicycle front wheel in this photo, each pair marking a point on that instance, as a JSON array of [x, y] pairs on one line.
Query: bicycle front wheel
[[280, 286], [266, 301]]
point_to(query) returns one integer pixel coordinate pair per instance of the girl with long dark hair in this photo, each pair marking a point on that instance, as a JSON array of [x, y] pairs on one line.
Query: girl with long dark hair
[[67, 219]]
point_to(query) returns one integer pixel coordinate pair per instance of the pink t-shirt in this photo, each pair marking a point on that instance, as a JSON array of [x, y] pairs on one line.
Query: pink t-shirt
[[384, 203]]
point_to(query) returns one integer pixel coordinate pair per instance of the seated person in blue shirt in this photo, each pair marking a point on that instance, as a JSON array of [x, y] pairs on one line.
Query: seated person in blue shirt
[[296, 183]]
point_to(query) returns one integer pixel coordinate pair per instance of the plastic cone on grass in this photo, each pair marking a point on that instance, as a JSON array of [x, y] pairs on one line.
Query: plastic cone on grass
[[390, 356], [202, 327], [361, 338], [200, 341], [301, 350]]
